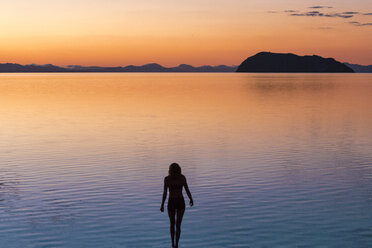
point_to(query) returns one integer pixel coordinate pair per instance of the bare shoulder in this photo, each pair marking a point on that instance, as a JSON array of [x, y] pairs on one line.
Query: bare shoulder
[[183, 178], [166, 179]]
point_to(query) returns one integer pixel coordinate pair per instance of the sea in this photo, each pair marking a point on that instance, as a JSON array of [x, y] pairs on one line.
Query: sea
[[271, 160]]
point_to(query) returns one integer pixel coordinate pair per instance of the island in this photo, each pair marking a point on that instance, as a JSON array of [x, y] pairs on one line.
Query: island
[[289, 62]]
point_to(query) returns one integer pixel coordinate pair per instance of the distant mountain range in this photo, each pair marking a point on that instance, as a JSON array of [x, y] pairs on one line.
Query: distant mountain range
[[289, 62], [10, 67], [360, 68]]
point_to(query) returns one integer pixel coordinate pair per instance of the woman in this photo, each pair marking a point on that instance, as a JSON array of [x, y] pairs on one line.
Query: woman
[[176, 204]]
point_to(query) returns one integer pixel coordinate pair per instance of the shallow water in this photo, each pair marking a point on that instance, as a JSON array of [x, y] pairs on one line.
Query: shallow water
[[272, 160]]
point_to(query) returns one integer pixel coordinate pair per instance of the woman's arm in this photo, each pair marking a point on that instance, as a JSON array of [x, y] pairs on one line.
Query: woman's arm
[[188, 192], [164, 195]]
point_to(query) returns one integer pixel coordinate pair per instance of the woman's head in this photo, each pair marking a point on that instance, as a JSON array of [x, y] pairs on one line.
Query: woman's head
[[174, 170]]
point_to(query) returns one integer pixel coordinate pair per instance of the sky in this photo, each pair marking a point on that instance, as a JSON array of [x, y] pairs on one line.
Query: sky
[[169, 32]]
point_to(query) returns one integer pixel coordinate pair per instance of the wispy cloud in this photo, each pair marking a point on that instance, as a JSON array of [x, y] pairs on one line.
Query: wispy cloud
[[318, 12], [359, 24], [350, 13], [321, 14], [320, 7]]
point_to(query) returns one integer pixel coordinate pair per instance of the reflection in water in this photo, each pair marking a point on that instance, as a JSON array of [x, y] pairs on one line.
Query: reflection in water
[[287, 83], [271, 159]]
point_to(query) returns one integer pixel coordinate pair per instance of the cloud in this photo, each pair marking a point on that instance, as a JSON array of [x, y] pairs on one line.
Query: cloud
[[341, 15], [320, 14], [350, 13], [361, 24], [320, 7], [297, 14]]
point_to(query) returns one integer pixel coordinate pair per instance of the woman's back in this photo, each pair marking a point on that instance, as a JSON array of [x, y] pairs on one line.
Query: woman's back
[[175, 185]]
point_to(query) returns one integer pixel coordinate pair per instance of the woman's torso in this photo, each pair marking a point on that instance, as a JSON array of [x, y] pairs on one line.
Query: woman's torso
[[175, 185]]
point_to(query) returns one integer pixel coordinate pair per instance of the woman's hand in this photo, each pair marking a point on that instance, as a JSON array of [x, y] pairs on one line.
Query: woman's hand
[[191, 203], [162, 208]]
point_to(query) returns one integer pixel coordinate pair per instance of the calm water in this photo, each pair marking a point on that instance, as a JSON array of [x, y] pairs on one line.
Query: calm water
[[272, 160]]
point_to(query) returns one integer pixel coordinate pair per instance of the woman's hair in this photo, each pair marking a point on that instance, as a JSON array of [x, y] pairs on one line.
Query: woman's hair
[[174, 170]]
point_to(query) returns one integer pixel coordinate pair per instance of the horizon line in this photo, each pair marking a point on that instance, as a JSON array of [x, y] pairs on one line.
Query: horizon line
[[152, 63]]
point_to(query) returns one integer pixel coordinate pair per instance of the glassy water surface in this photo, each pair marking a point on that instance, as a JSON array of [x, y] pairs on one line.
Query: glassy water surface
[[272, 160]]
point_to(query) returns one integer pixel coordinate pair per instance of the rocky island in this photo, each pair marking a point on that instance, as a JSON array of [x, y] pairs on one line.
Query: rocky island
[[288, 62]]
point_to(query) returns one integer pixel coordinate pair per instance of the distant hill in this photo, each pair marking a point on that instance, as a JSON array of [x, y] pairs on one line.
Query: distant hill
[[156, 68], [360, 68], [288, 62], [8, 67]]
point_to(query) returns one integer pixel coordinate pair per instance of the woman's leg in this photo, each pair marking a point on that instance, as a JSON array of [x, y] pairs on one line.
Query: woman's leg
[[172, 216], [180, 213]]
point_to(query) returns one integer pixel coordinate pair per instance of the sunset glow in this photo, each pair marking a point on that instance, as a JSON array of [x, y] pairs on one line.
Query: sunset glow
[[119, 33]]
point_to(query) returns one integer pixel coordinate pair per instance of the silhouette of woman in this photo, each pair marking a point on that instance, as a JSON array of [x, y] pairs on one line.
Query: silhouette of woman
[[176, 204]]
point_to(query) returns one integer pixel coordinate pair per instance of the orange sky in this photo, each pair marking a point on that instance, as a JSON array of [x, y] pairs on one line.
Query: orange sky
[[118, 32]]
